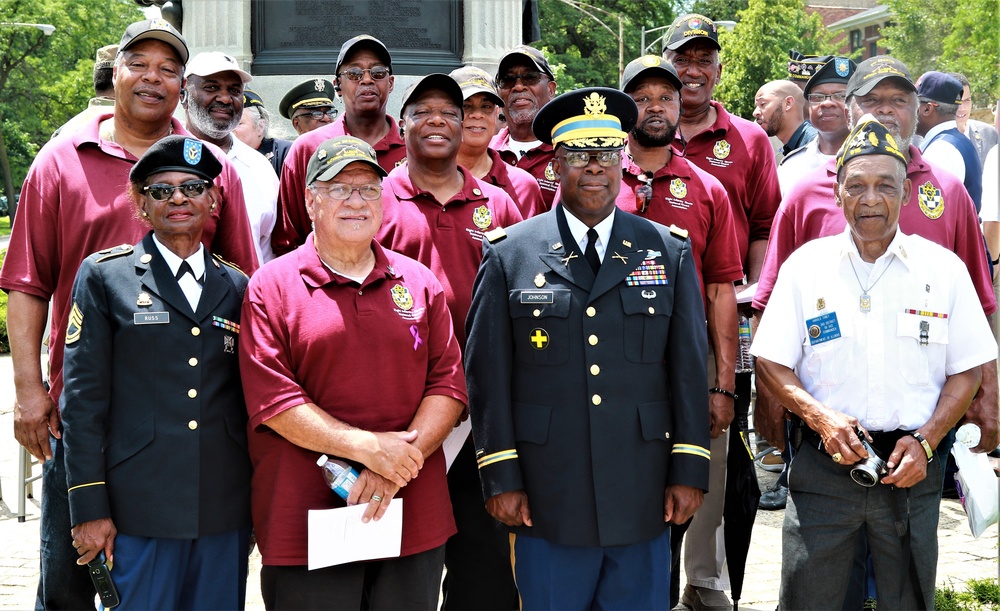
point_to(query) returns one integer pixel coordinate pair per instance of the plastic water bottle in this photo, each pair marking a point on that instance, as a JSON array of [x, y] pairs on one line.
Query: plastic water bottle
[[968, 435], [744, 360], [339, 475]]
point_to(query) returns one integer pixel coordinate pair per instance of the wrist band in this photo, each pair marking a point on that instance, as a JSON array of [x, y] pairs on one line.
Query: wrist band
[[722, 391], [925, 445]]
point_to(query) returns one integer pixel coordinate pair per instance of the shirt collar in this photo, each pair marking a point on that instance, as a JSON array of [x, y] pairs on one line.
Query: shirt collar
[[897, 248], [579, 229], [196, 261], [316, 274], [937, 129]]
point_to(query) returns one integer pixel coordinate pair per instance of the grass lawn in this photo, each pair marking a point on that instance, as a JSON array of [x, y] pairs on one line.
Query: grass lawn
[[4, 226]]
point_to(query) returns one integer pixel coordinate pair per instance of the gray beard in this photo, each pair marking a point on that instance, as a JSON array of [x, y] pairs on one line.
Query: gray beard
[[202, 120]]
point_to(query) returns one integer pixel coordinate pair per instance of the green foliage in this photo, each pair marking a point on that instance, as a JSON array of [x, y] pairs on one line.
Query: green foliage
[[582, 52], [950, 35], [719, 10], [756, 51], [45, 80], [979, 595]]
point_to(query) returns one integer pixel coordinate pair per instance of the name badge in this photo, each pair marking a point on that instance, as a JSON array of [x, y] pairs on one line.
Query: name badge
[[151, 318], [823, 328], [537, 297]]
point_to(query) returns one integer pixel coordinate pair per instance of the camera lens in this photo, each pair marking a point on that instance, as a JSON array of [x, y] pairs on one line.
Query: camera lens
[[865, 476]]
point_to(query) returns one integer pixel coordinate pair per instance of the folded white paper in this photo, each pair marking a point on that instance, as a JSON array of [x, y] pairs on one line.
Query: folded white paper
[[338, 536], [454, 441]]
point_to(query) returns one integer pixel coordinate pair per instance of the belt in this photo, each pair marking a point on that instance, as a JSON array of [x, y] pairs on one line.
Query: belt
[[883, 441]]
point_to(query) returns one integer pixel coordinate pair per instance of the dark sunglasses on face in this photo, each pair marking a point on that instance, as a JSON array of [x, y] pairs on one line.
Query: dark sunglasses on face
[[191, 188], [528, 79], [356, 74]]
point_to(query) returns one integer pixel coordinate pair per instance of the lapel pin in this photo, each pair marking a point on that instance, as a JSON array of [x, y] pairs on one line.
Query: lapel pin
[[144, 300], [620, 258], [540, 280], [565, 260]]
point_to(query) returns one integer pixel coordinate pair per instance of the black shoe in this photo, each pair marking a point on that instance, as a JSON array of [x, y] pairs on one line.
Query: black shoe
[[774, 498]]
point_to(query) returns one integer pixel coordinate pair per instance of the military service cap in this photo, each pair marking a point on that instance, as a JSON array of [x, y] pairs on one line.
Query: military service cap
[[803, 67], [177, 154], [308, 94], [336, 154], [588, 118], [250, 98], [836, 70], [869, 137]]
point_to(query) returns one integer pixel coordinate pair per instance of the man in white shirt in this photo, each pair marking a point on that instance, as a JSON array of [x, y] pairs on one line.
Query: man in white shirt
[[213, 102], [887, 347]]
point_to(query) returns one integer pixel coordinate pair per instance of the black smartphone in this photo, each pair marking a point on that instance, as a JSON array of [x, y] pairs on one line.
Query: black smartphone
[[101, 576]]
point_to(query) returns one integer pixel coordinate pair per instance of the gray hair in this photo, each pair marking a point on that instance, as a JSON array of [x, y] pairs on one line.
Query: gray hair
[[261, 118]]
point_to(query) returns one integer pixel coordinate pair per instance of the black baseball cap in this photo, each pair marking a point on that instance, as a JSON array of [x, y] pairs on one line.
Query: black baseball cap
[[876, 69], [650, 65], [523, 52], [157, 29], [363, 41], [691, 27], [436, 82]]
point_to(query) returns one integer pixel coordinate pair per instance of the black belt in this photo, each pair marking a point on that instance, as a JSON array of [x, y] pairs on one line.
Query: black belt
[[883, 441]]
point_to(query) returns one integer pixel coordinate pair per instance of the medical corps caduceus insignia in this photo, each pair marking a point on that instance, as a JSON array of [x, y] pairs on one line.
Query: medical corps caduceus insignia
[[931, 201]]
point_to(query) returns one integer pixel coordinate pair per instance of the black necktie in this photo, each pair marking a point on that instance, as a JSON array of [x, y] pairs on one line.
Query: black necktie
[[590, 254], [185, 268]]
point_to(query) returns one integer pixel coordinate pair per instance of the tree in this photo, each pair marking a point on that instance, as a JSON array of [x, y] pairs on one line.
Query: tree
[[756, 51], [584, 54], [949, 35], [719, 10], [45, 80]]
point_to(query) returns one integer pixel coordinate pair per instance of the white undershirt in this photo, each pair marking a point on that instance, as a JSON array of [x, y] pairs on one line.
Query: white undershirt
[[520, 148]]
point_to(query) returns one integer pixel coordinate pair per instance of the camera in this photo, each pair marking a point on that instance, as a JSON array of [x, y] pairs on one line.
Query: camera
[[871, 470]]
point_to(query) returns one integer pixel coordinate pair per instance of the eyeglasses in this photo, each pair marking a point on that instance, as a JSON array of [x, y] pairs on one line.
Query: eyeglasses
[[162, 192], [528, 79], [581, 159], [819, 98], [356, 74], [317, 115], [342, 191], [643, 191]]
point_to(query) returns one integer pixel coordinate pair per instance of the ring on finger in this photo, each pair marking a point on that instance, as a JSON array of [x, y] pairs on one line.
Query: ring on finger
[[376, 498], [837, 457]]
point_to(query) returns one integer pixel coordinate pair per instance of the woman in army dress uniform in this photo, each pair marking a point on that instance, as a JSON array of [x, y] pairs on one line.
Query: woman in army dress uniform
[[153, 412]]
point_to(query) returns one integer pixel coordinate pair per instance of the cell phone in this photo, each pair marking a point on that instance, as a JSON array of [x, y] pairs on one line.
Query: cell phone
[[101, 576]]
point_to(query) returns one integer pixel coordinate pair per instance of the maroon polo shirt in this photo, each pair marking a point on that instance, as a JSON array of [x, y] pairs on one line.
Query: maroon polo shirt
[[537, 162], [739, 154], [366, 354], [519, 185], [448, 237]]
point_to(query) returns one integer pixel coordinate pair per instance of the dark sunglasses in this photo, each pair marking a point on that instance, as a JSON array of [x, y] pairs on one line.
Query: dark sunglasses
[[356, 74], [191, 188], [528, 79]]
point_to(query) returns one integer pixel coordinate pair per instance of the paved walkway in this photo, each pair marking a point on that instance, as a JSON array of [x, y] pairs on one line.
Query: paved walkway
[[961, 557]]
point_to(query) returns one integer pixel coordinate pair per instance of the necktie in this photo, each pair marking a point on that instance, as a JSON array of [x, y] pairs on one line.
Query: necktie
[[590, 254], [185, 268]]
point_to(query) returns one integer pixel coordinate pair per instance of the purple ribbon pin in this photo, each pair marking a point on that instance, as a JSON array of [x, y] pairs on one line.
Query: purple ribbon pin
[[416, 336]]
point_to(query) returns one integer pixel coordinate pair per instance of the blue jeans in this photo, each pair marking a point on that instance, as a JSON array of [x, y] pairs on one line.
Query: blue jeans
[[62, 584]]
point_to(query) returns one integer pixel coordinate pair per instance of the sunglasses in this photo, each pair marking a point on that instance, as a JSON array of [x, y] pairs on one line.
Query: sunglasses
[[317, 115], [356, 74], [191, 188], [643, 191], [581, 159], [342, 191], [528, 79]]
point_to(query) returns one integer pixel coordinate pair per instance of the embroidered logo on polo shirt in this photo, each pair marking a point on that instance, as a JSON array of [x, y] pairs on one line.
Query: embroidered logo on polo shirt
[[482, 217], [549, 172], [678, 188], [931, 201], [401, 297], [721, 149]]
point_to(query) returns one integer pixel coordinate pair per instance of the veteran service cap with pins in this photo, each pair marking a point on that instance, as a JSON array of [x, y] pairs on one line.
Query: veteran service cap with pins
[[690, 27], [336, 154], [593, 118], [475, 80], [649, 65], [876, 69], [869, 137]]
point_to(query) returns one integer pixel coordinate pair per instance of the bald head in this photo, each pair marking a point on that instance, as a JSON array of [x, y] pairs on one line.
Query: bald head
[[779, 108]]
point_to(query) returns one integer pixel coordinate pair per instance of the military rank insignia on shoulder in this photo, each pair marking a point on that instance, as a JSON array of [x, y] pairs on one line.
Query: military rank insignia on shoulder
[[495, 235], [227, 264], [75, 326], [111, 253], [678, 232]]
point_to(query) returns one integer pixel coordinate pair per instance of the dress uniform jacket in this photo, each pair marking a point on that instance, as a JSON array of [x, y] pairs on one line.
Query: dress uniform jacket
[[155, 423], [589, 393]]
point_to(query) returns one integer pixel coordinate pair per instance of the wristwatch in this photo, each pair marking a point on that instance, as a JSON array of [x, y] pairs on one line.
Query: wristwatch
[[926, 446]]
